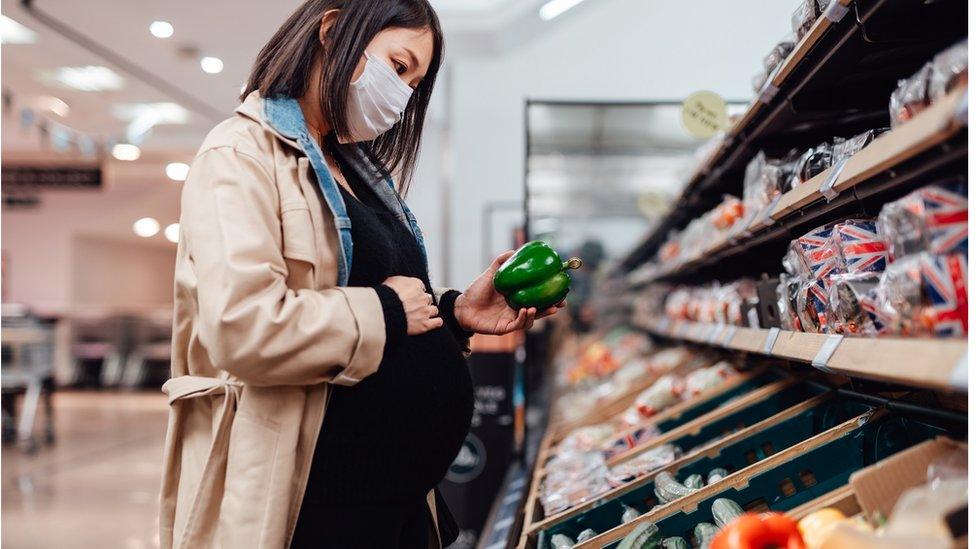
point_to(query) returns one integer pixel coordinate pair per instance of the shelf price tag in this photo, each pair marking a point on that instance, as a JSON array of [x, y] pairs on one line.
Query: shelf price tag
[[835, 11], [716, 331], [729, 335], [770, 340], [827, 188], [767, 213], [959, 378], [826, 351]]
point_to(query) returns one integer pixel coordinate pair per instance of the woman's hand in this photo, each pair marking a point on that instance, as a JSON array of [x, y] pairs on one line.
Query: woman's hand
[[417, 304], [483, 310]]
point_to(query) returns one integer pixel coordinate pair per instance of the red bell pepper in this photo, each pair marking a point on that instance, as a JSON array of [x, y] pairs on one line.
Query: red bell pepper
[[759, 531]]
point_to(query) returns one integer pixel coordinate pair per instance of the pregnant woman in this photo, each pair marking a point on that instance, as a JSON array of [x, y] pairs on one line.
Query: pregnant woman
[[319, 388]]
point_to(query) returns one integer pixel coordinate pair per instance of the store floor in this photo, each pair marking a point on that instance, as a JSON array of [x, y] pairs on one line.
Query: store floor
[[96, 487]]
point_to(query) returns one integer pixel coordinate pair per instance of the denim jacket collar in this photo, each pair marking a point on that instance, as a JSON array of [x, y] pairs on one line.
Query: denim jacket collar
[[284, 115]]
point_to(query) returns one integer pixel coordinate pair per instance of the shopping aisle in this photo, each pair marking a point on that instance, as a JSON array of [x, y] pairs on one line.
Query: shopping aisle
[[97, 485]]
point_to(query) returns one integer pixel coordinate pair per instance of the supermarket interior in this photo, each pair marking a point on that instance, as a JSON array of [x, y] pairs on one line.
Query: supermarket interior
[[736, 315]]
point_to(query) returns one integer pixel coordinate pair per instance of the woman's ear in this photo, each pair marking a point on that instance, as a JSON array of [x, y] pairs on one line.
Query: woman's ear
[[329, 19]]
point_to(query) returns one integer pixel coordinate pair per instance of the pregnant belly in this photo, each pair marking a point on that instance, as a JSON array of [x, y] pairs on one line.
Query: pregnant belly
[[402, 426]]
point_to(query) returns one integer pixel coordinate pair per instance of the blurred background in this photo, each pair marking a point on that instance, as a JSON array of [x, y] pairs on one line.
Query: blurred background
[[565, 113]]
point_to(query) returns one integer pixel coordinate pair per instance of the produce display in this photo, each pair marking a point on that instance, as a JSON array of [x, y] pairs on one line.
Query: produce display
[[759, 531], [535, 276]]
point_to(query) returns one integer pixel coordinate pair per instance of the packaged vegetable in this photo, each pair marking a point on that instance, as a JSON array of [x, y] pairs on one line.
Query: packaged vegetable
[[704, 534], [716, 475], [725, 510], [694, 481], [644, 463], [759, 531], [589, 533], [629, 514], [644, 536], [668, 489], [816, 526], [561, 541]]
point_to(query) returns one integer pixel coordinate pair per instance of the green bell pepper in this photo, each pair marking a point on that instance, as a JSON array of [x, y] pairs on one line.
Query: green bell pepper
[[534, 276]]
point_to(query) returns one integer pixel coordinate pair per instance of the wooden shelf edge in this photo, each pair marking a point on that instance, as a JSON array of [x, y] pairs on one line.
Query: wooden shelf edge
[[919, 362]]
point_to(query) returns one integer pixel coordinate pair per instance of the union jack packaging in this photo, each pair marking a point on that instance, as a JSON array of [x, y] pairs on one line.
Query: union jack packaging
[[815, 253], [934, 219], [857, 248], [928, 294]]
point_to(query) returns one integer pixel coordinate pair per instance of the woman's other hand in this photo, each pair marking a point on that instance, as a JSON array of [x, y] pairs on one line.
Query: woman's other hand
[[417, 304], [481, 309]]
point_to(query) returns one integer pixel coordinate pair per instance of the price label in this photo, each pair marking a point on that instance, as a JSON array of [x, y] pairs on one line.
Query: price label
[[704, 113]]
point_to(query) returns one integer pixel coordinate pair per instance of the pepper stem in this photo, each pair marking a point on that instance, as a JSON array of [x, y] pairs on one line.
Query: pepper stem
[[573, 263]]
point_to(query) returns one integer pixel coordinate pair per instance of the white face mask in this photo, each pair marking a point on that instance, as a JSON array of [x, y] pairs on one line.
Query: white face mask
[[376, 101]]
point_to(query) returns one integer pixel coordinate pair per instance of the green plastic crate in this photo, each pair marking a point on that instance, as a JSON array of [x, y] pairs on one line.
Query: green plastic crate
[[811, 474], [606, 514]]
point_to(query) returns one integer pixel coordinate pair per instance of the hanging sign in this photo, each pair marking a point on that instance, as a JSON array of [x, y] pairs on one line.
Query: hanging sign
[[43, 177], [704, 114]]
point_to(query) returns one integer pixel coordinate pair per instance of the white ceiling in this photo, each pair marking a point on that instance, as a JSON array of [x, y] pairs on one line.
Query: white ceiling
[[228, 29]]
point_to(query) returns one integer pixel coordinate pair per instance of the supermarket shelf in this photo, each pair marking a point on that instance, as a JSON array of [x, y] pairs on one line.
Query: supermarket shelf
[[835, 82], [738, 478], [928, 363], [935, 126]]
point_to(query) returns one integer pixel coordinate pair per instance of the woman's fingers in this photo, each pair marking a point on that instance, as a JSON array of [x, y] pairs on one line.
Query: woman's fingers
[[432, 311], [502, 258]]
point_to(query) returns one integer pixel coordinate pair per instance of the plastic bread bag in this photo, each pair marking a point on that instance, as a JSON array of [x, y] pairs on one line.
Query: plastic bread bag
[[793, 262], [725, 215], [854, 307], [816, 253], [911, 96], [572, 479], [643, 463], [927, 294], [843, 149], [774, 59], [857, 247], [933, 218], [789, 287], [804, 16], [811, 306], [949, 69], [812, 162]]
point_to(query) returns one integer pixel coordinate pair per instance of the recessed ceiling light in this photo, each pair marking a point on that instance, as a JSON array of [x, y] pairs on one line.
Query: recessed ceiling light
[[177, 171], [554, 8], [87, 78], [53, 104], [126, 151], [211, 65], [172, 232], [161, 29], [146, 227], [12, 32]]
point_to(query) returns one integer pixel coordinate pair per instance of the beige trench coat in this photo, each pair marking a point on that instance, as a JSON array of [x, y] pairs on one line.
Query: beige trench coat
[[260, 330]]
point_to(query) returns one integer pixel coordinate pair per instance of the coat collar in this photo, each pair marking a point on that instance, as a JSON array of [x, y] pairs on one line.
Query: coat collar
[[282, 116]]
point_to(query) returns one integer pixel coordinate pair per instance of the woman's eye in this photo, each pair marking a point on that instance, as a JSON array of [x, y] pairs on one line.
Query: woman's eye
[[400, 67]]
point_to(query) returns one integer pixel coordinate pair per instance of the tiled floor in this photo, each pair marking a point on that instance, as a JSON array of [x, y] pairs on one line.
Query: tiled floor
[[97, 486]]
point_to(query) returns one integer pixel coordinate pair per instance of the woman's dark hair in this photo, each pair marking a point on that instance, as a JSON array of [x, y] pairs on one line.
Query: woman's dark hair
[[285, 65]]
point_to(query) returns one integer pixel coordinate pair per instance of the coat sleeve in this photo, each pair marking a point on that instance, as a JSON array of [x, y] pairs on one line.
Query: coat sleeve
[[250, 322]]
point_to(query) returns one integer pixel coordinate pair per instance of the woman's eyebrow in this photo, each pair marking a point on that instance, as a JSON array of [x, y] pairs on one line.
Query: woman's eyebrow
[[413, 56]]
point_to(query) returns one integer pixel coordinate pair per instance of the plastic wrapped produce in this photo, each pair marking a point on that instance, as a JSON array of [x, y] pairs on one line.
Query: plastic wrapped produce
[[933, 219], [725, 215], [787, 290], [586, 439], [635, 436], [561, 541], [667, 360], [644, 463], [589, 533], [573, 479], [911, 96], [927, 294], [805, 15], [629, 514], [949, 69], [665, 392], [703, 379]]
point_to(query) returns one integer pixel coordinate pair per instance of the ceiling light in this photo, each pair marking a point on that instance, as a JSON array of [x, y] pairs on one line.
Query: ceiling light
[[172, 232], [146, 227], [12, 32], [177, 171], [161, 29], [53, 104], [87, 78], [211, 65], [554, 8], [143, 117], [126, 151]]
